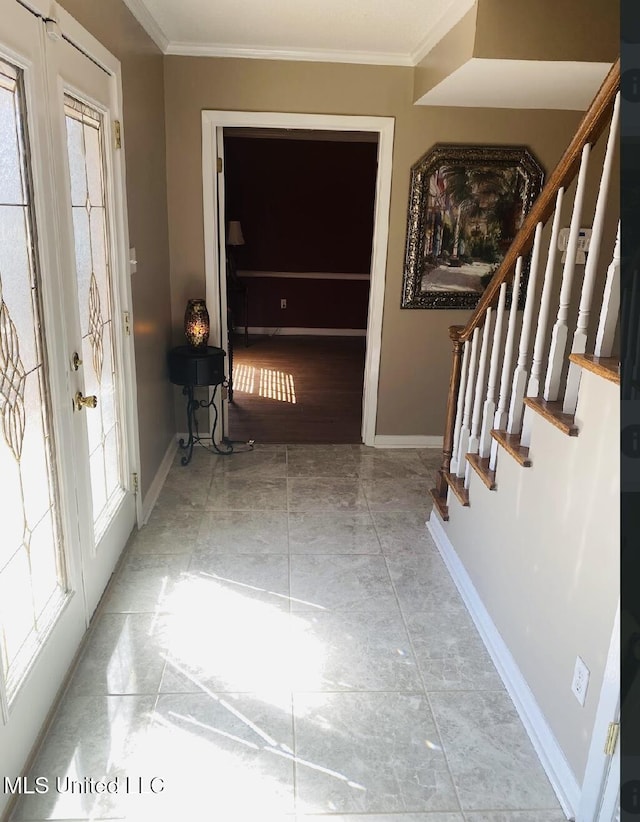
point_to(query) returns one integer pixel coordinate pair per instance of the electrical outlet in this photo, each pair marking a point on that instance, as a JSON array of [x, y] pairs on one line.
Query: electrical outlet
[[580, 680], [283, 303]]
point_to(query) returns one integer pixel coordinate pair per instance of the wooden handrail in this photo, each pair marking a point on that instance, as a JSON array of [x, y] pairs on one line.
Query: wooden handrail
[[592, 125]]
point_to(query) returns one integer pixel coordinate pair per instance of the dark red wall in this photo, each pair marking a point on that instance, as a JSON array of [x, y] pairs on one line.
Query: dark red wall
[[304, 205], [310, 303]]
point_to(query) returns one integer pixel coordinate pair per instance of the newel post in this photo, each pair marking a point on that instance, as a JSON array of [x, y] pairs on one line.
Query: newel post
[[452, 401]]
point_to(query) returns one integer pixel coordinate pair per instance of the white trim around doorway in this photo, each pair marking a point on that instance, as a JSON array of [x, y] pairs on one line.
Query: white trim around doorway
[[212, 121]]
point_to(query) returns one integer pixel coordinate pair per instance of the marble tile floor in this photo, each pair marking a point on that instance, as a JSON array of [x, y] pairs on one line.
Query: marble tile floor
[[283, 643]]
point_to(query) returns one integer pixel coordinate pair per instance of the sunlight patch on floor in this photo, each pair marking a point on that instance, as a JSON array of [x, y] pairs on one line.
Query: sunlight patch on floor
[[266, 382], [249, 641]]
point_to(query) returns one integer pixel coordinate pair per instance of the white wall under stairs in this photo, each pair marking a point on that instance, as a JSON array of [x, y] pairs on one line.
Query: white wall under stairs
[[537, 559]]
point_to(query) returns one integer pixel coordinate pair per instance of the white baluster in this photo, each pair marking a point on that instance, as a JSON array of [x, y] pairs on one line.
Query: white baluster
[[533, 388], [465, 431], [610, 305], [490, 403], [579, 344], [474, 439], [520, 374], [453, 466], [560, 330], [500, 418]]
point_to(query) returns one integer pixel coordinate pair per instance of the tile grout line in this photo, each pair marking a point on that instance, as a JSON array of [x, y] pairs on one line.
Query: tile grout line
[[290, 649], [424, 689]]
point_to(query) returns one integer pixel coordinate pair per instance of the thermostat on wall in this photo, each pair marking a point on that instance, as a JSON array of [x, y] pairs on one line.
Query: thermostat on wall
[[584, 238]]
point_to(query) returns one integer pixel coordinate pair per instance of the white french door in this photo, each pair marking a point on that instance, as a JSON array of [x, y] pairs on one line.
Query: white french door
[[66, 504], [84, 97]]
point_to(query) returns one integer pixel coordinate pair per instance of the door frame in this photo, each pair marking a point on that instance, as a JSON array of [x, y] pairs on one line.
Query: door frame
[[213, 121], [603, 770]]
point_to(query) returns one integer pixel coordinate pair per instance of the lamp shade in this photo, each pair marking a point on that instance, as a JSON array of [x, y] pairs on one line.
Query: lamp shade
[[234, 233], [196, 324]]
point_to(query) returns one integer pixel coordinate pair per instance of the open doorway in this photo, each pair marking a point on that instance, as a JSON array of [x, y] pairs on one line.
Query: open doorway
[[214, 123], [299, 216]]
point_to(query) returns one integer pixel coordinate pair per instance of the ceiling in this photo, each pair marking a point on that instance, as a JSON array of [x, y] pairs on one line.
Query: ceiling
[[374, 32], [551, 85], [382, 32]]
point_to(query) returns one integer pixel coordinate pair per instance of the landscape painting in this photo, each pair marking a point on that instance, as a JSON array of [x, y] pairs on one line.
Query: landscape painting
[[466, 205]]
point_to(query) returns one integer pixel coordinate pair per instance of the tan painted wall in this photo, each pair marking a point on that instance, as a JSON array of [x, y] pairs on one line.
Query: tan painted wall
[[548, 30], [416, 358], [543, 554], [114, 26], [453, 51]]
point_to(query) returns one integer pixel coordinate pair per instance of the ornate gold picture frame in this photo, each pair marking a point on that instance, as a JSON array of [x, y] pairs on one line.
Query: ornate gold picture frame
[[466, 204]]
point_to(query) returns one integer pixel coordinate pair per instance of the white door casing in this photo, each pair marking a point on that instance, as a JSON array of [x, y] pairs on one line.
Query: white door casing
[[598, 799], [213, 123]]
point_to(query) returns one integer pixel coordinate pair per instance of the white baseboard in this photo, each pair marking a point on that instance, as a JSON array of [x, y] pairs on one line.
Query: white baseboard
[[546, 745], [153, 493], [303, 332], [412, 441]]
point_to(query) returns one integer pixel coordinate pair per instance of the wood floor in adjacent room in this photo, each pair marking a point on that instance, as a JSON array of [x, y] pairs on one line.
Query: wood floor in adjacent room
[[297, 389]]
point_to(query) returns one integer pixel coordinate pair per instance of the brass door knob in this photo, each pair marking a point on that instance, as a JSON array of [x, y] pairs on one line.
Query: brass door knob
[[85, 402]]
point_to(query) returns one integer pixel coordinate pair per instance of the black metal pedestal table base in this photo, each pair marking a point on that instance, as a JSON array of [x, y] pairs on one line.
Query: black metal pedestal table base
[[192, 425]]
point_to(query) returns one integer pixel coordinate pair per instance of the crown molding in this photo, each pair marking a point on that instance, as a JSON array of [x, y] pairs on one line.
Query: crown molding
[[452, 15], [186, 49], [308, 55], [148, 23]]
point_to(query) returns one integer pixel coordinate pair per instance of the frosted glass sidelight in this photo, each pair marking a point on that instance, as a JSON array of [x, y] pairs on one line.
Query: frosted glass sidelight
[[12, 188], [82, 241], [93, 148], [43, 564], [75, 147], [97, 229], [32, 582], [85, 145], [15, 265]]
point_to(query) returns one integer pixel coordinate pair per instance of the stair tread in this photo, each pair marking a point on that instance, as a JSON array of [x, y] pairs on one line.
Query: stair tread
[[511, 444], [552, 411], [607, 367], [481, 466], [457, 486]]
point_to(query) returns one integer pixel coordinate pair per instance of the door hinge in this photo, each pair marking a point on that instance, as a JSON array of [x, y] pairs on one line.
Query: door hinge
[[126, 322], [117, 134], [612, 738], [219, 165], [134, 483]]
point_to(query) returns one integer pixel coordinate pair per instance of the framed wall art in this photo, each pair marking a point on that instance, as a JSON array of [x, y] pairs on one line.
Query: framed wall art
[[466, 204]]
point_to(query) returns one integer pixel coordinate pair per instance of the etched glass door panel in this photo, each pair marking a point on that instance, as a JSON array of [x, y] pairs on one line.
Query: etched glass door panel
[[85, 102], [85, 148], [33, 582]]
